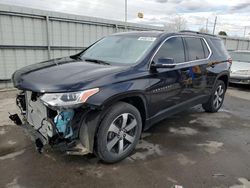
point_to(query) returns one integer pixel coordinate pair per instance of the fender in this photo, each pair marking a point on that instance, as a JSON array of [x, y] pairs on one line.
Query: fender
[[88, 128], [92, 119], [110, 94], [121, 96], [223, 73]]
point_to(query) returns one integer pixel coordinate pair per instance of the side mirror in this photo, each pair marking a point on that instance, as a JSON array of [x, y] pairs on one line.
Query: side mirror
[[164, 63]]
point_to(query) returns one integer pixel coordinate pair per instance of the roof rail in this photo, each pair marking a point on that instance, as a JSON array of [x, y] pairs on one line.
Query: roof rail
[[196, 32]]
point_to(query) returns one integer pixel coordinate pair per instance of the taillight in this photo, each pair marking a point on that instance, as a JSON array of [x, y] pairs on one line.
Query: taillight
[[230, 60]]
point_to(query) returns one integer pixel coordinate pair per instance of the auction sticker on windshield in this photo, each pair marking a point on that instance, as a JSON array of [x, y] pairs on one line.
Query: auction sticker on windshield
[[147, 38]]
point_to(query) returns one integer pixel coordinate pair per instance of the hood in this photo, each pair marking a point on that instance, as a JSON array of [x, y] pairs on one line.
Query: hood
[[238, 66], [61, 75]]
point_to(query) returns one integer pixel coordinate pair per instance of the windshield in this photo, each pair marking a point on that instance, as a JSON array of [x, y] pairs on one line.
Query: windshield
[[240, 56], [119, 49]]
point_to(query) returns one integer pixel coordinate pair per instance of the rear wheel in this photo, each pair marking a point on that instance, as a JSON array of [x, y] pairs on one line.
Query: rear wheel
[[118, 133], [216, 99]]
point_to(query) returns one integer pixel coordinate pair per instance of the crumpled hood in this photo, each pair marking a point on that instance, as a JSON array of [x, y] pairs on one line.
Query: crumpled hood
[[239, 67], [60, 75]]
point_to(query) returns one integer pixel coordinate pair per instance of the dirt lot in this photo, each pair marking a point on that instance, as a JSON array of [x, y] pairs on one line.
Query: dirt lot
[[192, 149]]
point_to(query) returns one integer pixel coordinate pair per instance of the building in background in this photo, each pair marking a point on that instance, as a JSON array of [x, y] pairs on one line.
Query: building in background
[[29, 36]]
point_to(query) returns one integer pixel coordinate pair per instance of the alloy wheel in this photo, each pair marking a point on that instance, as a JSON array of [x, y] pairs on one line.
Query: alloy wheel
[[121, 133], [218, 97]]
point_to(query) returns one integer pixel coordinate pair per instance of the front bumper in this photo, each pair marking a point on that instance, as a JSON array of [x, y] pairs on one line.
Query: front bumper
[[73, 147], [42, 124], [34, 133]]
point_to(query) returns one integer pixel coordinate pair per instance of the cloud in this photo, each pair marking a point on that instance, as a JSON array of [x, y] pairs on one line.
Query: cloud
[[168, 1], [243, 6], [161, 1], [233, 15], [201, 6]]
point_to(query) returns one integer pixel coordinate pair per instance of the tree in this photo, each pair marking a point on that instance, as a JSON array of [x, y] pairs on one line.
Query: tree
[[222, 33], [177, 23], [203, 30]]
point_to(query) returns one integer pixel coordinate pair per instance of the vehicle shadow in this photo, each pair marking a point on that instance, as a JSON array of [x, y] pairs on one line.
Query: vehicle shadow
[[178, 133], [240, 87]]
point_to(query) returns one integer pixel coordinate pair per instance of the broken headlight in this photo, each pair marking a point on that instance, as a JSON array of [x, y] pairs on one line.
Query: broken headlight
[[68, 99]]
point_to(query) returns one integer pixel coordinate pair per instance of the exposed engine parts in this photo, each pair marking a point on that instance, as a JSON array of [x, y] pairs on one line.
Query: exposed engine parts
[[62, 123]]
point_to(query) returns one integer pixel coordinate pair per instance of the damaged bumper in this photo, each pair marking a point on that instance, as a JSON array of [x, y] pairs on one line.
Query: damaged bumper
[[57, 128], [73, 147]]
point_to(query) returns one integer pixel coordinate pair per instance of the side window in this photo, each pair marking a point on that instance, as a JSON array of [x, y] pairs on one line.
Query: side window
[[195, 48], [219, 47], [172, 48]]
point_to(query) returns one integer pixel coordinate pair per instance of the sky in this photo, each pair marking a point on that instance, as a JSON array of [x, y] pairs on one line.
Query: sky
[[233, 16]]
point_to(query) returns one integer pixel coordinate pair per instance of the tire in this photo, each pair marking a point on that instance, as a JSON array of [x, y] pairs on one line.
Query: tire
[[216, 99], [119, 132]]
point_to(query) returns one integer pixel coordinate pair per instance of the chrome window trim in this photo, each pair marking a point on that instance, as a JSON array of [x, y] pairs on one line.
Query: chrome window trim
[[186, 62]]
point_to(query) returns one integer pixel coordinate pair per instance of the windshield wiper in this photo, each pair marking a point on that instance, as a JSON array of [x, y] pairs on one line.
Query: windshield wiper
[[97, 61]]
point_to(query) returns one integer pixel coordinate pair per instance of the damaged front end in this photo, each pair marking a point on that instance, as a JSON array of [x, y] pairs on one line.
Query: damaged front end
[[54, 119]]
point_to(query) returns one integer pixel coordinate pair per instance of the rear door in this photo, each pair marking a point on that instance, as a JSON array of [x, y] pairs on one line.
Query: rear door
[[194, 71]]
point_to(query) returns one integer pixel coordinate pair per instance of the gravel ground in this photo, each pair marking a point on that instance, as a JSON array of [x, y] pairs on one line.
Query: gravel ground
[[192, 149]]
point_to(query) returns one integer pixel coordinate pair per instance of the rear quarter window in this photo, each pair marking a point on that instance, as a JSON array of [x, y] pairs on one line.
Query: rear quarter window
[[219, 47], [196, 49]]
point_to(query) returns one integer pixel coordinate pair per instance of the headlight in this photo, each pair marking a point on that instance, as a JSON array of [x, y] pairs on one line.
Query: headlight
[[68, 99]]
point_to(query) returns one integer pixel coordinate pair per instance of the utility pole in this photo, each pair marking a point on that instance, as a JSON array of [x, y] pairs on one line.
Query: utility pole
[[215, 21], [126, 13], [207, 26], [245, 28]]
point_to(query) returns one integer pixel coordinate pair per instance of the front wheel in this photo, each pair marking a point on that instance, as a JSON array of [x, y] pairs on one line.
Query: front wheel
[[118, 133], [216, 99]]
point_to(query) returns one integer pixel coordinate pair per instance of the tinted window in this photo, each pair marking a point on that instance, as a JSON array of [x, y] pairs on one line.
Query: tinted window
[[219, 47], [195, 48], [172, 48]]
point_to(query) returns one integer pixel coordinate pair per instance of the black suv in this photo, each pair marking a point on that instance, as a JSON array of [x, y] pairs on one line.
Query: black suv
[[100, 100]]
